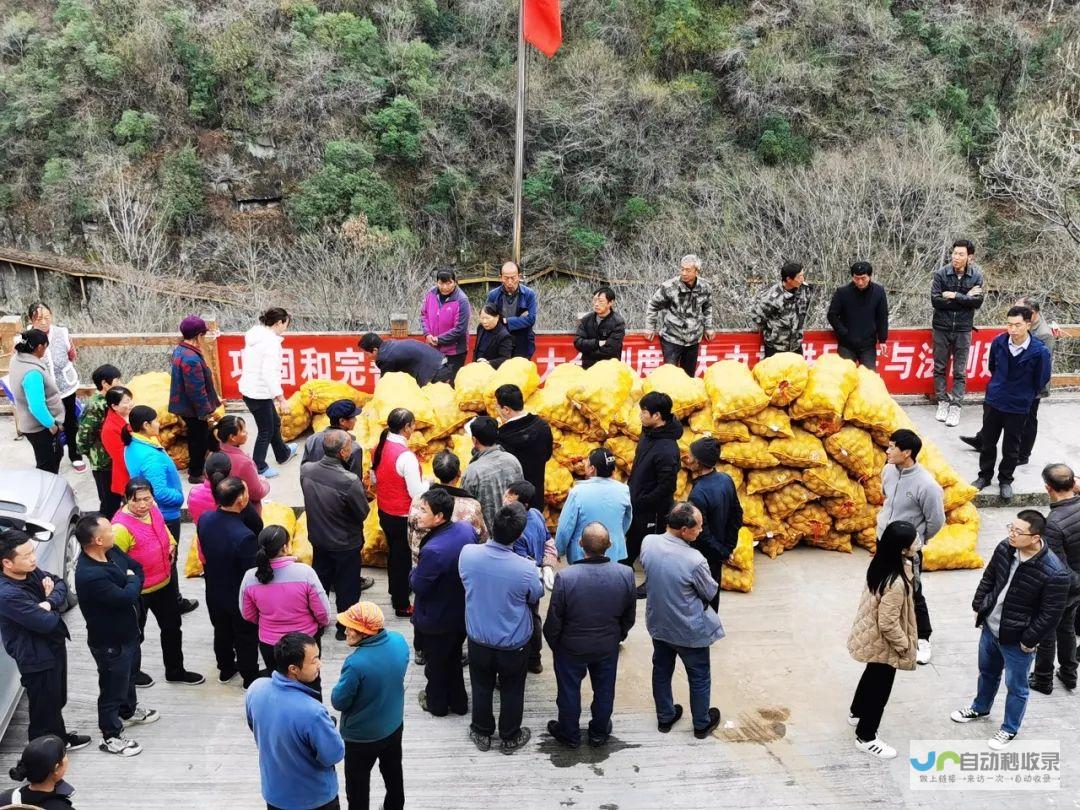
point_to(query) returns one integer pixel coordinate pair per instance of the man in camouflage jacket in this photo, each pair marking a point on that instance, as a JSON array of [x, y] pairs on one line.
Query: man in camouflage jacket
[[780, 311], [680, 311]]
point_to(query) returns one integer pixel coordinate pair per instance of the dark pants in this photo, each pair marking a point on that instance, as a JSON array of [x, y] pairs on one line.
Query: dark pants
[[236, 642], [922, 612], [769, 351], [716, 570], [200, 442], [864, 357], [639, 527], [1063, 642], [267, 651], [333, 804], [117, 667], [71, 426], [951, 346], [339, 571], [360, 758], [174, 529], [165, 606], [445, 676], [46, 693], [268, 424], [995, 423], [871, 696], [109, 502], [47, 450], [536, 642], [685, 357], [510, 667], [569, 672], [454, 362], [698, 674], [1031, 429], [398, 558]]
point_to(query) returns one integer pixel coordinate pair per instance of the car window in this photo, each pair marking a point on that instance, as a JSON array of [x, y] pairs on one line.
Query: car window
[[12, 506]]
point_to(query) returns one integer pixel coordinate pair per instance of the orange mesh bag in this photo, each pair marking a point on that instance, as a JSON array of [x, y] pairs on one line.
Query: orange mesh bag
[[774, 478], [769, 422], [783, 377]]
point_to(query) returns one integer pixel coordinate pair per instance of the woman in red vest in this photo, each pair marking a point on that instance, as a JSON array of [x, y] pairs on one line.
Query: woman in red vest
[[397, 479], [119, 402]]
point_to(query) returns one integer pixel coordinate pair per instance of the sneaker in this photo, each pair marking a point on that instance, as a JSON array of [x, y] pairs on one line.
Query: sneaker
[[664, 728], [972, 442], [120, 746], [1006, 492], [365, 583], [269, 473], [953, 419], [515, 742], [942, 411], [188, 605], [73, 741], [1069, 684], [1041, 686], [1001, 740], [852, 720], [226, 675], [292, 452], [980, 483], [419, 658], [714, 721], [876, 747], [185, 678], [536, 667], [598, 742], [923, 652], [79, 466], [966, 715], [144, 681], [557, 735], [141, 717], [482, 741]]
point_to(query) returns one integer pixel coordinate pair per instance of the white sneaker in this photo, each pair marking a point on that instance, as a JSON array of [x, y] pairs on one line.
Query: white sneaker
[[1001, 740], [877, 747], [966, 715], [121, 747], [942, 411], [141, 717], [923, 653], [953, 419], [852, 720]]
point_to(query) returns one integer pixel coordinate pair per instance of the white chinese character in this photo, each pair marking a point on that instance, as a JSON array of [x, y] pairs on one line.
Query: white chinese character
[[351, 366], [705, 359], [288, 367], [737, 354], [235, 366], [900, 360], [546, 362], [648, 359], [314, 365], [628, 356]]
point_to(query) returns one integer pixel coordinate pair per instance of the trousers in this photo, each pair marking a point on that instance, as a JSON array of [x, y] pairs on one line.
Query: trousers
[[360, 758], [108, 501], [339, 571], [871, 697], [236, 642], [268, 424], [200, 442], [570, 671], [71, 426], [46, 694], [698, 674], [951, 346], [685, 357], [47, 450], [1063, 642], [117, 666], [865, 357], [445, 676], [164, 604], [398, 558], [509, 666], [995, 423]]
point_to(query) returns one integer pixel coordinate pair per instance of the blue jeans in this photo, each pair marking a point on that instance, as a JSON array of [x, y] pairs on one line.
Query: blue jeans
[[117, 666], [569, 672], [698, 673], [993, 658]]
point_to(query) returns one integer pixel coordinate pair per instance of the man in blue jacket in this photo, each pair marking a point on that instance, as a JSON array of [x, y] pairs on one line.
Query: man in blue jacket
[[1019, 370], [35, 636], [439, 609], [499, 585], [517, 304], [420, 361], [714, 495], [298, 744]]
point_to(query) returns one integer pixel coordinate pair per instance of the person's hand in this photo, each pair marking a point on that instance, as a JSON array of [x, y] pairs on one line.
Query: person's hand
[[72, 354], [710, 335], [976, 290], [48, 585], [948, 295], [549, 577], [432, 340], [482, 360], [1027, 649], [650, 336], [279, 403], [44, 606], [54, 429]]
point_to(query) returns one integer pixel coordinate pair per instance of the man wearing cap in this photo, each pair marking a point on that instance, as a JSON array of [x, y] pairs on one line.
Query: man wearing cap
[[714, 495], [419, 360], [597, 499], [192, 396], [370, 694], [342, 414], [680, 311]]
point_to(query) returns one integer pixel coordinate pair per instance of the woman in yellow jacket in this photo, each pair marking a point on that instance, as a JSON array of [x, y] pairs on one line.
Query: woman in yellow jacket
[[884, 635]]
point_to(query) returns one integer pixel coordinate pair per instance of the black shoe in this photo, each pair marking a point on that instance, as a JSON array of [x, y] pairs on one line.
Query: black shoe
[[1068, 684], [1006, 492], [196, 479], [73, 741], [185, 678], [1039, 685], [597, 742], [404, 613], [980, 483], [188, 605], [559, 737], [641, 592], [365, 583], [972, 441], [516, 742], [143, 681], [419, 658], [339, 634], [536, 667], [664, 728], [1020, 462], [226, 675], [481, 741], [714, 721]]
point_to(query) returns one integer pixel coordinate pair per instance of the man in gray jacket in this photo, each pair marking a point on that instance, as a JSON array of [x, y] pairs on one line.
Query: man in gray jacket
[[679, 618], [593, 606], [492, 469], [956, 291], [680, 311], [336, 505], [912, 494]]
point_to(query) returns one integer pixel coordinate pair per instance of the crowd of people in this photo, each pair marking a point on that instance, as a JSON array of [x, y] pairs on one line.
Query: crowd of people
[[470, 557]]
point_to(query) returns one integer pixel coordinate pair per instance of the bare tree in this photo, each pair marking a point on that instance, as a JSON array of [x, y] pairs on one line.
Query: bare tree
[[136, 236]]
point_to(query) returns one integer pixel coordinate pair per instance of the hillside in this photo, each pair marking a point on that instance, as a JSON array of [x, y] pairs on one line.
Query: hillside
[[322, 147]]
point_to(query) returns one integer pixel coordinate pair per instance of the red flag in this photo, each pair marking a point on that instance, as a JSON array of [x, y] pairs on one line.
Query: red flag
[[543, 25]]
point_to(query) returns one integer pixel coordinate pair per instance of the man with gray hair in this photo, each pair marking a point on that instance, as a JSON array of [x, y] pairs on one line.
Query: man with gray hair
[[593, 606], [1062, 534], [680, 311]]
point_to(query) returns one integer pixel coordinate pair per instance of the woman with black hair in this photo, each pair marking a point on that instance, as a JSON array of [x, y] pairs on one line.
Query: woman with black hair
[[39, 408], [231, 431], [42, 766], [260, 386], [884, 635], [494, 343], [118, 405], [61, 360]]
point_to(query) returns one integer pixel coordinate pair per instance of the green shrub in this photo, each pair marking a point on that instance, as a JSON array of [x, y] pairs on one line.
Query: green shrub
[[444, 193], [348, 156], [346, 184], [683, 31], [634, 212], [777, 144], [200, 79], [136, 131], [355, 38], [56, 172], [413, 64], [183, 195], [7, 197], [397, 129], [587, 242]]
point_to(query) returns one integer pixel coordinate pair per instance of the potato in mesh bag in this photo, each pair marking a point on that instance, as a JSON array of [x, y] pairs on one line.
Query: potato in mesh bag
[[300, 546], [730, 430], [623, 448], [152, 389], [603, 392], [832, 379], [570, 449], [628, 420], [952, 548], [737, 574], [832, 540], [822, 426], [399, 390], [870, 405], [375, 546], [773, 478], [769, 422], [367, 429], [318, 395], [867, 538], [783, 502], [448, 417], [278, 514], [688, 438], [875, 494], [775, 543], [958, 494], [933, 460], [702, 420], [830, 481], [319, 422], [180, 455], [810, 520], [557, 483], [802, 450], [853, 449], [552, 402], [751, 454], [516, 371], [470, 384], [733, 391], [753, 507], [683, 485], [687, 393], [733, 472], [783, 377], [863, 517], [963, 514], [846, 506], [295, 418]]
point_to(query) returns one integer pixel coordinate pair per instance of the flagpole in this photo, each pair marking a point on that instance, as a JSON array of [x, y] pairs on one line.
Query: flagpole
[[519, 133]]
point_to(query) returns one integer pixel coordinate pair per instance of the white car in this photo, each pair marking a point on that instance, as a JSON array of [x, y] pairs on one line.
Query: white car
[[43, 505]]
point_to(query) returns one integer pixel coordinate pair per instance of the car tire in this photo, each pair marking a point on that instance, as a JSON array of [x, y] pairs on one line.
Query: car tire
[[71, 556]]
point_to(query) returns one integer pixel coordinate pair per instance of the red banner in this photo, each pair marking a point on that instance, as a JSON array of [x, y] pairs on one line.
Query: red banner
[[905, 362]]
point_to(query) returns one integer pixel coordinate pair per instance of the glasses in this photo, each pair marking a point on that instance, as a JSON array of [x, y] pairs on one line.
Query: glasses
[[1015, 532]]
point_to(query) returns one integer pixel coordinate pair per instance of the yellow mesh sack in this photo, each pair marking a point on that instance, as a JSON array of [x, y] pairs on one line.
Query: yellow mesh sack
[[702, 420], [683, 485], [299, 545], [845, 507], [802, 450], [769, 422], [470, 384], [399, 390], [557, 483], [864, 516], [730, 430], [687, 393], [953, 548], [295, 418], [875, 495], [783, 377], [278, 514], [602, 396], [831, 481], [810, 521], [775, 543], [623, 448], [552, 402], [515, 371], [179, 454], [822, 426], [318, 395], [753, 506], [733, 391], [832, 379], [853, 449], [447, 416], [737, 574], [784, 502], [734, 472], [152, 389], [867, 538], [958, 494], [375, 547], [193, 566], [172, 434], [832, 540], [753, 454], [319, 422], [570, 449], [771, 479], [688, 438], [367, 430], [967, 513], [934, 461], [870, 405]]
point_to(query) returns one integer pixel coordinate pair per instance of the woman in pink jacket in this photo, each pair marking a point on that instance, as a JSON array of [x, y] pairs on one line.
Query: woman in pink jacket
[[232, 433]]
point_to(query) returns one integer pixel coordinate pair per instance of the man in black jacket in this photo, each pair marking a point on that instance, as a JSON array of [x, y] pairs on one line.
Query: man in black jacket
[[109, 582], [35, 636], [592, 608], [336, 507], [713, 493], [956, 291], [655, 473], [600, 334], [859, 315], [415, 358], [1018, 603], [526, 437], [1062, 534]]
